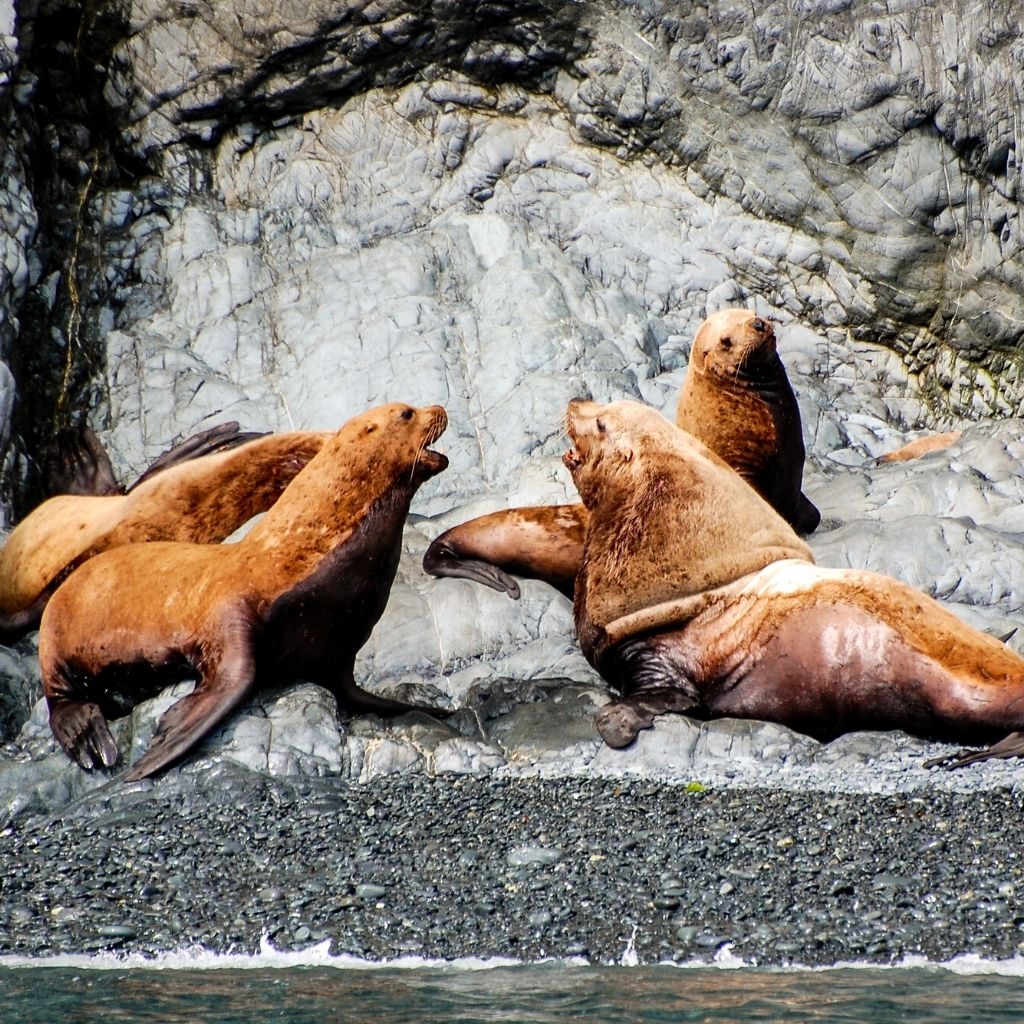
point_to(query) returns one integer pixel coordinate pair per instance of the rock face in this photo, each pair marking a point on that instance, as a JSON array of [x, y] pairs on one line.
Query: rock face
[[296, 211]]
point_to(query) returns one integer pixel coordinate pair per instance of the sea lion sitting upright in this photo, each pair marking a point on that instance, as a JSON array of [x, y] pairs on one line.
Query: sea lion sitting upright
[[736, 398], [297, 597], [695, 596], [184, 495]]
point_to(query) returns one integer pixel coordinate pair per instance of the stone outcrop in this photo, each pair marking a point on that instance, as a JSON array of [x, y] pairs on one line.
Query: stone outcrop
[[289, 212]]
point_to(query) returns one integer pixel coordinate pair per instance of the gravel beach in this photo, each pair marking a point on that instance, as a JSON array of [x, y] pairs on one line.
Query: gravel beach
[[609, 870]]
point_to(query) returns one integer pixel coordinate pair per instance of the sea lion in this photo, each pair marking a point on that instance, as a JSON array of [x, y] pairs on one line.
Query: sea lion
[[922, 446], [736, 398], [695, 596], [296, 597], [183, 496]]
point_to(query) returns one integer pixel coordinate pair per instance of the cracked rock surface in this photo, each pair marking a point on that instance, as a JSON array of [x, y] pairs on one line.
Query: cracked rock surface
[[502, 206]]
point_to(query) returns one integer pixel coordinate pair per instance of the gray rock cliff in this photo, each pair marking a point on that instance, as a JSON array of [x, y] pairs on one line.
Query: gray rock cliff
[[288, 212]]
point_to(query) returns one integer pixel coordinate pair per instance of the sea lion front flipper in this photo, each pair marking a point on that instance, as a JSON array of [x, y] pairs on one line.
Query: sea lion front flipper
[[227, 677], [352, 697], [441, 561], [80, 465], [806, 516], [1008, 746], [206, 442], [619, 721], [81, 729]]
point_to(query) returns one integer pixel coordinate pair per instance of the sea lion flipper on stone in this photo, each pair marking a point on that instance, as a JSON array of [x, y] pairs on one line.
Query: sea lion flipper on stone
[[227, 678], [1009, 746], [81, 729], [619, 721], [218, 438], [441, 561]]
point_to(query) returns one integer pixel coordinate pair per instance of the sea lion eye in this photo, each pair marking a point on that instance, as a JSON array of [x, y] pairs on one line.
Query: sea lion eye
[[407, 414], [726, 343], [601, 429], [759, 325]]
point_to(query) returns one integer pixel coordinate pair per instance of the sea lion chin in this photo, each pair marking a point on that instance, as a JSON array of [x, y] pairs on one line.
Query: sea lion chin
[[297, 597], [696, 597]]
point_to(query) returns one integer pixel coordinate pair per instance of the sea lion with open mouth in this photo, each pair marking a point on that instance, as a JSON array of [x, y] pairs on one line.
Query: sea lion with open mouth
[[297, 597], [695, 596], [736, 398]]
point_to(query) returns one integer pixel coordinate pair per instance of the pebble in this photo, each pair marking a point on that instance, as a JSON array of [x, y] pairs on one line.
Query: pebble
[[405, 883]]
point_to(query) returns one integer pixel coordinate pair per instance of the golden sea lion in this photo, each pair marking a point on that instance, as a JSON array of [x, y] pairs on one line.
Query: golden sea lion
[[297, 597], [695, 596], [736, 398], [183, 496], [922, 446]]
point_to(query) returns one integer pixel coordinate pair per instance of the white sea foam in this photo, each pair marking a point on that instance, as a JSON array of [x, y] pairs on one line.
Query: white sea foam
[[269, 957]]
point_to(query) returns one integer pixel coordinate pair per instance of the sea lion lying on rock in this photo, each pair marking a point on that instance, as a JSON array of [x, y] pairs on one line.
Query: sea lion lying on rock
[[297, 597], [695, 596], [191, 493], [736, 398]]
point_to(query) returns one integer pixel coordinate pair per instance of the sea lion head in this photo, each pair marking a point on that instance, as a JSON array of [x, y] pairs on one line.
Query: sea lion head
[[667, 519], [400, 435], [606, 441], [735, 343]]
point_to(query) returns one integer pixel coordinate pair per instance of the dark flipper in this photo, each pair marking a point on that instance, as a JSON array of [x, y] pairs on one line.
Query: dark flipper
[[80, 728], [207, 442], [226, 680], [1009, 746], [14, 625], [80, 465], [806, 516], [621, 720], [441, 561], [351, 697]]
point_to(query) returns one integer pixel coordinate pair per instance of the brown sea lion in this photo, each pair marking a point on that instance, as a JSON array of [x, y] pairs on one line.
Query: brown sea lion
[[79, 464], [183, 496], [736, 398], [922, 446], [695, 596], [297, 597]]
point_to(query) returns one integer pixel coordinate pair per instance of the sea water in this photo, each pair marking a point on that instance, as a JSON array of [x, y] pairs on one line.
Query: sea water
[[316, 988]]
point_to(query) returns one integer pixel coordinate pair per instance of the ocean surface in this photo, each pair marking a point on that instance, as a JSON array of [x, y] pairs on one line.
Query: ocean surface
[[316, 988]]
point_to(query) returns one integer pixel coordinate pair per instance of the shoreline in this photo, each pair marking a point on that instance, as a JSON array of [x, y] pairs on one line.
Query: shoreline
[[520, 868]]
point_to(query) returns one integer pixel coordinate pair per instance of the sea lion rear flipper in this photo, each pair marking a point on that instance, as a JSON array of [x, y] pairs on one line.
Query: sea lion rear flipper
[[619, 721], [206, 442], [1009, 746], [14, 625], [80, 728], [227, 678], [439, 560], [80, 465]]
